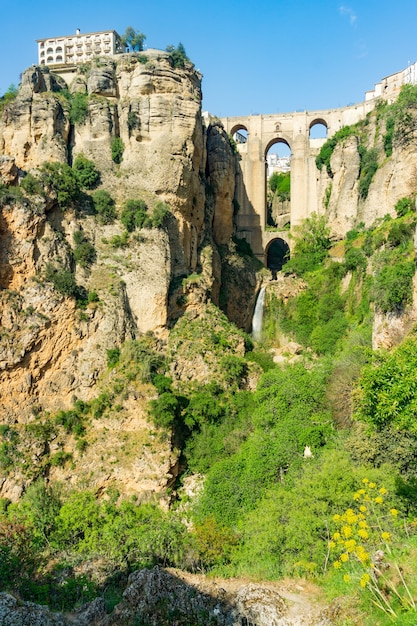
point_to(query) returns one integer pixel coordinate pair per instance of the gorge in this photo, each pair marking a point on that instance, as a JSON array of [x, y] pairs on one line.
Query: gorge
[[142, 428]]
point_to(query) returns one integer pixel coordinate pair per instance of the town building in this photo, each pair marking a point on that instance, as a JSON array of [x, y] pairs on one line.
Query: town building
[[390, 86], [79, 48]]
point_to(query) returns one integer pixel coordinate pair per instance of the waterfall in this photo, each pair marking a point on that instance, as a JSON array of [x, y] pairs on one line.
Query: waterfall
[[258, 315]]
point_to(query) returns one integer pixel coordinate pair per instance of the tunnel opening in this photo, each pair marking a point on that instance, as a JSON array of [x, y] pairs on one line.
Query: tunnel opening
[[277, 254]]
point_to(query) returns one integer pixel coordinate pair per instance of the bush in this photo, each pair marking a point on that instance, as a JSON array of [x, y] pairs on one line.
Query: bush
[[113, 356], [312, 242], [63, 280], [388, 387], [404, 206], [178, 56], [85, 254], [86, 172], [160, 212], [355, 260], [117, 147], [369, 165], [60, 178], [31, 185], [392, 287], [78, 107], [134, 215], [104, 205]]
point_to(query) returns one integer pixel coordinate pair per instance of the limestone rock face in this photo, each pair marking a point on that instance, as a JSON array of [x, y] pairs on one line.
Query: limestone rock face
[[221, 171], [395, 178], [53, 353]]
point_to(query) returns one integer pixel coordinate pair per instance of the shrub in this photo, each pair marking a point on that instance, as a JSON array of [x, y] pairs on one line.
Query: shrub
[[369, 165], [85, 254], [160, 212], [178, 56], [312, 242], [134, 215], [104, 205], [113, 356], [117, 147], [355, 260], [404, 206], [327, 149], [31, 185], [78, 107], [392, 287], [60, 178], [86, 172], [63, 280]]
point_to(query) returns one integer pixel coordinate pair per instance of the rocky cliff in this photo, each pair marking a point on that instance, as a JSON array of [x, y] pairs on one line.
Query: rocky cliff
[[52, 352]]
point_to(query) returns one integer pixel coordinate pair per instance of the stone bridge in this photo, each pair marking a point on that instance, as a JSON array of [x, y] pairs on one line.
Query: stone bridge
[[256, 135]]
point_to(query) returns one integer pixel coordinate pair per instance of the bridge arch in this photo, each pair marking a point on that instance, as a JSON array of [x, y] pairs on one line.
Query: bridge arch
[[277, 253], [239, 132], [318, 128], [278, 196]]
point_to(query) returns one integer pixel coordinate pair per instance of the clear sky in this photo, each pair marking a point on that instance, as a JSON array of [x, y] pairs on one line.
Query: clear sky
[[263, 56]]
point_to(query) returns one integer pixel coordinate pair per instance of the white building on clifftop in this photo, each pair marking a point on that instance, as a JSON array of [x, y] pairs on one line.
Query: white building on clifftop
[[390, 86], [78, 48]]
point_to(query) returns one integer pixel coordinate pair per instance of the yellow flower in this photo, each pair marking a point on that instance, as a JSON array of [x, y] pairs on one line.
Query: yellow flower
[[379, 500], [393, 512], [350, 545], [336, 536], [362, 554], [372, 485], [337, 565], [362, 492], [365, 481], [364, 580], [346, 578], [363, 508], [344, 557], [363, 534], [347, 531], [363, 524], [385, 536], [332, 544], [356, 496], [383, 491], [336, 518]]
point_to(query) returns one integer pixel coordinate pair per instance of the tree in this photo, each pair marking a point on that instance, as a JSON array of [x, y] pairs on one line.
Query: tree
[[86, 172], [178, 55], [133, 39]]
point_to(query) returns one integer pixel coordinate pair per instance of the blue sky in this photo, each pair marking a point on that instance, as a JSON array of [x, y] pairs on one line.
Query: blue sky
[[256, 57]]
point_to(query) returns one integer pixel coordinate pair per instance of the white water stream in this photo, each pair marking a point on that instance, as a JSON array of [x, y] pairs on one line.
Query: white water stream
[[258, 315]]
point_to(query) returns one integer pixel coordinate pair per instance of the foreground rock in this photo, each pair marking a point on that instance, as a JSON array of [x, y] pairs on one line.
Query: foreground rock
[[160, 597]]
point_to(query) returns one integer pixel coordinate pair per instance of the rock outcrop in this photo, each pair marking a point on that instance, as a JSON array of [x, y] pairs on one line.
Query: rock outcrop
[[161, 597]]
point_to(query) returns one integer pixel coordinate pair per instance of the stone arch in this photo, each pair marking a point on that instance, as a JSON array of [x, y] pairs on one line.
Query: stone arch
[[278, 207], [277, 253], [318, 129], [239, 132]]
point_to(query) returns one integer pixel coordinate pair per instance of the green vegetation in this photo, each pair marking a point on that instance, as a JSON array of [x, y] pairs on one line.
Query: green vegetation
[[86, 172], [133, 39], [104, 206], [279, 184], [117, 147], [78, 107], [8, 97], [134, 215], [178, 56]]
